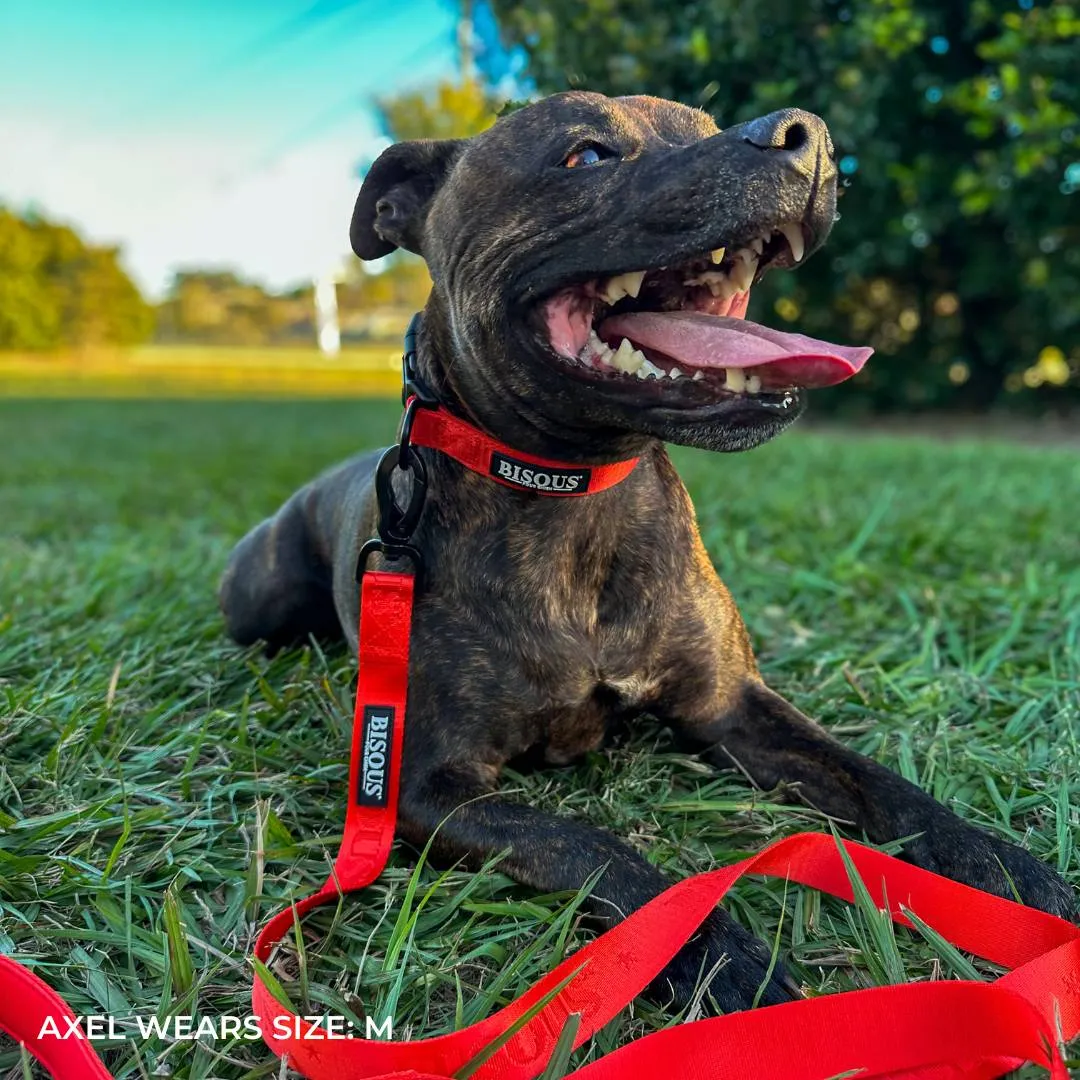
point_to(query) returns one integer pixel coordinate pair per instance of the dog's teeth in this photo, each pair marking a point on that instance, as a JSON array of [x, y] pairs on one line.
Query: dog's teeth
[[719, 283], [794, 236], [758, 245], [698, 376], [753, 385], [613, 290], [599, 348], [735, 380], [674, 373], [628, 359], [717, 255], [742, 273], [649, 370], [628, 284]]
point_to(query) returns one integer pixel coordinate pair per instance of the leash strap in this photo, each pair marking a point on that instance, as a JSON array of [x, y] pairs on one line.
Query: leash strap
[[27, 1006], [927, 1031], [438, 429]]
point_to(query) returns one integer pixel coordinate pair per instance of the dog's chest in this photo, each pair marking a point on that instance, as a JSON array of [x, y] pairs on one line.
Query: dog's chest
[[575, 673], [549, 624]]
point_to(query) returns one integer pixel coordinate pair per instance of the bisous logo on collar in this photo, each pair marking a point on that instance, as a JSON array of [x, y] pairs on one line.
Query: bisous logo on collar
[[531, 477]]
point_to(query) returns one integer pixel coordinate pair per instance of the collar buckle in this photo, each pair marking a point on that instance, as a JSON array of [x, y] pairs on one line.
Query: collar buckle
[[412, 385]]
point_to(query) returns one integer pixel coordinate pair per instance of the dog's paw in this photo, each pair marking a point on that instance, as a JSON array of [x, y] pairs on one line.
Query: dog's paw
[[965, 853], [724, 968]]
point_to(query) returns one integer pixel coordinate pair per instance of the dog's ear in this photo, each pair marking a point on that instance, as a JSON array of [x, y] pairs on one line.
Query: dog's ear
[[396, 193]]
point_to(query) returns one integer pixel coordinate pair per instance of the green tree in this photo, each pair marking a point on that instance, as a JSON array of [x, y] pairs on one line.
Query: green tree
[[958, 131], [57, 291], [216, 307], [445, 110]]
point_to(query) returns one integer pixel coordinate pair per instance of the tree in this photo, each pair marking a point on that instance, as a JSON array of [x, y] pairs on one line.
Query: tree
[[445, 110], [217, 307], [958, 133], [56, 291]]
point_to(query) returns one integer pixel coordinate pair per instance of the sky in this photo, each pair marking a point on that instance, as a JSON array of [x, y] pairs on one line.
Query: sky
[[206, 132]]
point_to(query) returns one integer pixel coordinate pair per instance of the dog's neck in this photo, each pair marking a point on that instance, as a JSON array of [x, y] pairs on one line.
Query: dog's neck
[[577, 542], [562, 547], [516, 421]]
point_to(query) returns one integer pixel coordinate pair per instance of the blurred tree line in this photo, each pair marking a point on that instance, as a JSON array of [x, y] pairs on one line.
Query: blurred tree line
[[218, 307], [57, 291], [209, 307], [957, 128]]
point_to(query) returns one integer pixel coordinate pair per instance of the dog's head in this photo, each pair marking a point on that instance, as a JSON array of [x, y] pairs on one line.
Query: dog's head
[[592, 260]]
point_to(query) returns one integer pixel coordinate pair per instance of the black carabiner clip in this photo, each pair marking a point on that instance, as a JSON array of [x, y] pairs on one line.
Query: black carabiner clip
[[397, 523], [390, 551]]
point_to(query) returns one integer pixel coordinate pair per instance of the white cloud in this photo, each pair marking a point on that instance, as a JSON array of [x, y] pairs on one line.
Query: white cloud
[[191, 199]]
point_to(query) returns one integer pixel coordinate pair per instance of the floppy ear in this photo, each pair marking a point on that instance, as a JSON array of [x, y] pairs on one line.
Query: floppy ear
[[396, 193]]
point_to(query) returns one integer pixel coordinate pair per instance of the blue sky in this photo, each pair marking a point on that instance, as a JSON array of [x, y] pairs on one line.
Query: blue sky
[[206, 132]]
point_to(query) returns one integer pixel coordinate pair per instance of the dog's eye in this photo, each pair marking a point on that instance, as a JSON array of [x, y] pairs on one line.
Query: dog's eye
[[590, 154]]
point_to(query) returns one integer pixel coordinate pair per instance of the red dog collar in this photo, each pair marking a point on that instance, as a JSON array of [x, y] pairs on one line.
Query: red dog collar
[[438, 429], [427, 423]]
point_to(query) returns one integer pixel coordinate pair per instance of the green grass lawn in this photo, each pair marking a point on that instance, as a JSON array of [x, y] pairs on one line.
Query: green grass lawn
[[161, 791], [201, 371]]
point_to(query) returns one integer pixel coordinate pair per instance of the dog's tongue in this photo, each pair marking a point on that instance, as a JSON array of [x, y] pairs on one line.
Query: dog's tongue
[[695, 339]]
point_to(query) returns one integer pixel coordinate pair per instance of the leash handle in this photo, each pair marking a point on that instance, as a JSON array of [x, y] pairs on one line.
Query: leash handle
[[378, 734]]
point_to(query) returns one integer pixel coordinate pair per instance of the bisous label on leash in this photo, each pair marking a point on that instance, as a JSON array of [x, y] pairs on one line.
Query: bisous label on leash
[[375, 764], [930, 1031]]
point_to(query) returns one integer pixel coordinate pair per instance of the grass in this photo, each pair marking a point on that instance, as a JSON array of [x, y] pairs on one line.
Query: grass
[[177, 371], [162, 791]]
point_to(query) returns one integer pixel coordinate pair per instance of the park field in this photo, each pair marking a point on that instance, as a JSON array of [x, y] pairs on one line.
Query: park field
[[204, 371], [162, 791]]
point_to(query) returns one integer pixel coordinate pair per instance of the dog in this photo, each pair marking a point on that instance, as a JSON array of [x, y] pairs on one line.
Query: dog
[[543, 624]]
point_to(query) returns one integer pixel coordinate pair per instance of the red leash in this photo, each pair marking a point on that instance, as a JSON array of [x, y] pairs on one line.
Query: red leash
[[926, 1031]]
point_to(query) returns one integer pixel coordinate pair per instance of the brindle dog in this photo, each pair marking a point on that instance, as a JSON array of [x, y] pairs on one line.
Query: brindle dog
[[543, 622]]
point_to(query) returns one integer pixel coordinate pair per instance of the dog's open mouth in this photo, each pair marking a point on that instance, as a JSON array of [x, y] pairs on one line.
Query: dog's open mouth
[[687, 322]]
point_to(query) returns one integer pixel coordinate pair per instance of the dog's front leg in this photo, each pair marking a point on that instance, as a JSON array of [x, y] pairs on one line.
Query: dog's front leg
[[553, 853], [775, 744]]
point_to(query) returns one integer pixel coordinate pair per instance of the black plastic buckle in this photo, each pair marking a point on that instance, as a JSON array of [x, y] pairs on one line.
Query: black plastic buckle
[[390, 551], [412, 386]]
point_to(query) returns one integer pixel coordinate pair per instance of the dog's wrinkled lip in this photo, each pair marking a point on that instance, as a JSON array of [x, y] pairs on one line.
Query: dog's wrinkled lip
[[676, 334]]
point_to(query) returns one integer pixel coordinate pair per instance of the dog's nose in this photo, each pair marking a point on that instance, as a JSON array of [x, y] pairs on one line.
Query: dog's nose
[[800, 136]]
